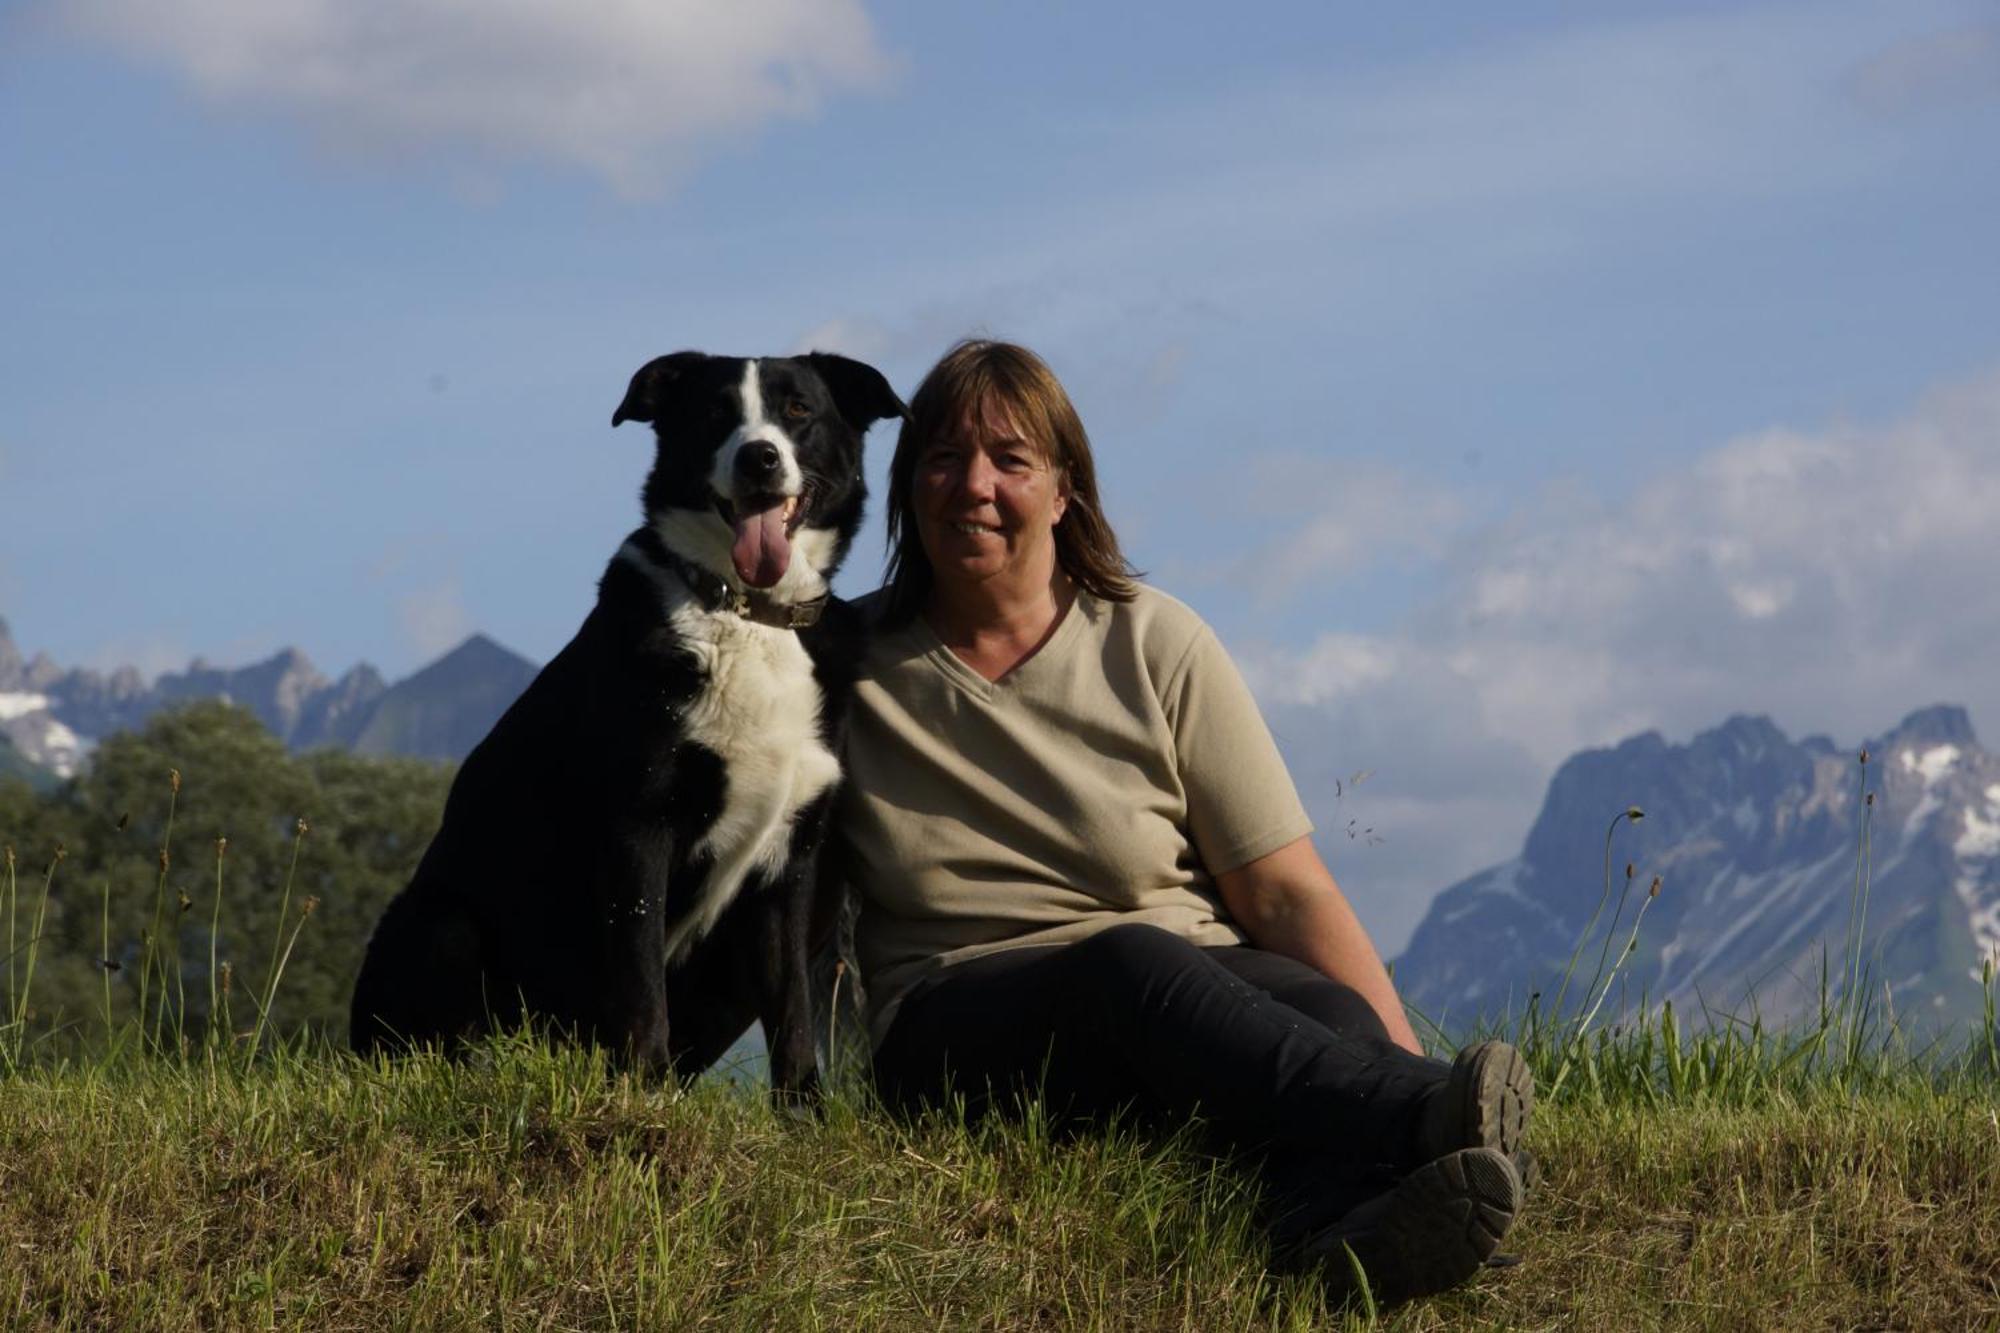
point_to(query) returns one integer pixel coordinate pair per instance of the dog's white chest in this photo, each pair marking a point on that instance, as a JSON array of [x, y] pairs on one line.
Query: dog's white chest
[[759, 711]]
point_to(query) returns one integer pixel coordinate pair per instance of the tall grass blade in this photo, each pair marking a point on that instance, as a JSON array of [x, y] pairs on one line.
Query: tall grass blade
[[1632, 813], [21, 1003], [284, 902], [152, 939]]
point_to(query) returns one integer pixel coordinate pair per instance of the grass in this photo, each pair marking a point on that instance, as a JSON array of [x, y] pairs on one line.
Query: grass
[[536, 1191], [531, 1189], [1718, 1175]]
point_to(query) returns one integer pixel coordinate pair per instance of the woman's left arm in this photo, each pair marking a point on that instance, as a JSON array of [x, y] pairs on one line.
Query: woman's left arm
[[1287, 903]]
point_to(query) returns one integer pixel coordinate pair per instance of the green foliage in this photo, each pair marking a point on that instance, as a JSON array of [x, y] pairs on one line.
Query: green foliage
[[17, 767], [132, 902]]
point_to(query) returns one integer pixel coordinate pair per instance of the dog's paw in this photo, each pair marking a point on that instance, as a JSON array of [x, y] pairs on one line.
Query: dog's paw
[[800, 1104]]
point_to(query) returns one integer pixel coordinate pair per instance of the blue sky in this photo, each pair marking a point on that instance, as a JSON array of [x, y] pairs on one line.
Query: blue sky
[[1497, 379]]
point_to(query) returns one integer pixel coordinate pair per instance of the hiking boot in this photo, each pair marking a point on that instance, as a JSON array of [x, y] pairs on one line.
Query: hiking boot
[[1431, 1231], [1483, 1103]]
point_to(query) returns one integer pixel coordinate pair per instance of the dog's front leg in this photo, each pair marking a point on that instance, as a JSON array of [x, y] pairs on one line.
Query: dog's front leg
[[632, 1022], [784, 994]]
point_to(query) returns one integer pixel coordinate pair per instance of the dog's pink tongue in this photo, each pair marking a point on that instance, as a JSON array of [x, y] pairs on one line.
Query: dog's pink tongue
[[763, 550]]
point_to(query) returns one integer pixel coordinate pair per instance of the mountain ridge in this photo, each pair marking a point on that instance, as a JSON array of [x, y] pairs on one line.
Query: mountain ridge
[[50, 717], [1758, 841]]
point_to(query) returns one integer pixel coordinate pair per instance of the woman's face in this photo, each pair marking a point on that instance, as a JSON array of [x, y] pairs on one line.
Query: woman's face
[[987, 503]]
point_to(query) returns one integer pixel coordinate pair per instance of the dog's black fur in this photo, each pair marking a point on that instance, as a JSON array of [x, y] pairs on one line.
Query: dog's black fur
[[594, 824]]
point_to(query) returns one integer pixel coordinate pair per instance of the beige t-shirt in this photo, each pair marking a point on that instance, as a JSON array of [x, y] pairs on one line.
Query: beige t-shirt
[[1107, 779]]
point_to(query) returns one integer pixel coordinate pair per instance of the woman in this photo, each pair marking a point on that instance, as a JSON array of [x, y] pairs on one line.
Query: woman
[[1086, 875]]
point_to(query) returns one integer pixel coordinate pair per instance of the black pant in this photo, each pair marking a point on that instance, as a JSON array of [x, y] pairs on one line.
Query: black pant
[[1284, 1065]]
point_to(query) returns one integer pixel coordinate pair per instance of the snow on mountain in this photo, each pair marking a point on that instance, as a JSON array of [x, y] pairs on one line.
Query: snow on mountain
[[1759, 844], [28, 723]]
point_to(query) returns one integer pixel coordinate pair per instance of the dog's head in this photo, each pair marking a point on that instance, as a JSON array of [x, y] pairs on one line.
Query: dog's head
[[758, 471]]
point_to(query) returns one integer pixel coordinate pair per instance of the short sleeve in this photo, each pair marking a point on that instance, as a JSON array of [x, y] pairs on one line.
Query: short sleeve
[[1241, 803]]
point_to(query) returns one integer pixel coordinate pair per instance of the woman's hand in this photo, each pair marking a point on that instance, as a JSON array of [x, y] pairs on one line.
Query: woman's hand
[[1286, 902]]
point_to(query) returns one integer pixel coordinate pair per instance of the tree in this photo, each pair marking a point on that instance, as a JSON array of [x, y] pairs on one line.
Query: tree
[[232, 810]]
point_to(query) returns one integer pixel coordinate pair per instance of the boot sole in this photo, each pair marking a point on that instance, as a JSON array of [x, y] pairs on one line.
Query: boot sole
[[1488, 1097], [1433, 1231]]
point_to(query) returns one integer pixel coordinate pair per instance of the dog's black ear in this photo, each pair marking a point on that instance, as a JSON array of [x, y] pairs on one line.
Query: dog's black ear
[[859, 390], [650, 385]]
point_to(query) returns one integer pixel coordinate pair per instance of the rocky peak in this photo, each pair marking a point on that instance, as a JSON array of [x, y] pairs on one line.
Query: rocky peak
[[54, 714], [1742, 738], [475, 653], [1757, 839], [1722, 781], [1940, 724]]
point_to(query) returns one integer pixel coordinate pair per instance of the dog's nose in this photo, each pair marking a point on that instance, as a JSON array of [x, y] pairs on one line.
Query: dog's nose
[[758, 461]]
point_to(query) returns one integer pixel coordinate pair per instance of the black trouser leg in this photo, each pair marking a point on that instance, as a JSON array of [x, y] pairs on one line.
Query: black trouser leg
[[1137, 1019], [1306, 1187], [1337, 1008]]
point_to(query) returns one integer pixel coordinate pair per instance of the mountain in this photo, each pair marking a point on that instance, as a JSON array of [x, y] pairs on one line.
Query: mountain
[[50, 717], [448, 707], [29, 728], [14, 764], [1757, 840]]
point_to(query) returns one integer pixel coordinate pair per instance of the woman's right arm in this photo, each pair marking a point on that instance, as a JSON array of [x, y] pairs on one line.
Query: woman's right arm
[[1287, 902]]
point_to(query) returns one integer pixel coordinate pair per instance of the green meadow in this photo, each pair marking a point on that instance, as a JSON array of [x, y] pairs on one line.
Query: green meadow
[[183, 1145]]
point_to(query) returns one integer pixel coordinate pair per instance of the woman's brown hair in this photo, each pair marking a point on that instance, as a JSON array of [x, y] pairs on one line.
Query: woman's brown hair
[[980, 373]]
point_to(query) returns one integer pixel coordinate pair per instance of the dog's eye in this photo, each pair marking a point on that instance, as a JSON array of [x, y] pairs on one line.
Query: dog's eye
[[796, 410]]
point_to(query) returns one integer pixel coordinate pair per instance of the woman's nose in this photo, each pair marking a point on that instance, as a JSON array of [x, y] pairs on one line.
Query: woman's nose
[[977, 478]]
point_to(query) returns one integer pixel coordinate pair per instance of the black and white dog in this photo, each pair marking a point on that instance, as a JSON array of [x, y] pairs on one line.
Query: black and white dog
[[629, 856]]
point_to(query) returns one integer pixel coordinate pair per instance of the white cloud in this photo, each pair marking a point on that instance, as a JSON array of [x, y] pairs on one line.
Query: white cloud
[[1362, 514], [1834, 579], [627, 89], [1336, 666]]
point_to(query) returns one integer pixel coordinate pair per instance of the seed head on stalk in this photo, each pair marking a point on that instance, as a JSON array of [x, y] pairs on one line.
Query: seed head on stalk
[[1633, 814]]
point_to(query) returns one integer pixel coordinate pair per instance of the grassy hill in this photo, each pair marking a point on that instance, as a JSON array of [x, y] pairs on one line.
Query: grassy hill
[[158, 1172], [531, 1190]]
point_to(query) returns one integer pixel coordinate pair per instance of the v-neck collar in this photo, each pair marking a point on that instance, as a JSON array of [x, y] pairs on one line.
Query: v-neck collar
[[955, 668]]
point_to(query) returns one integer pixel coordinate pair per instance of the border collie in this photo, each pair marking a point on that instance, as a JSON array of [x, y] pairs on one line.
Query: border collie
[[629, 856]]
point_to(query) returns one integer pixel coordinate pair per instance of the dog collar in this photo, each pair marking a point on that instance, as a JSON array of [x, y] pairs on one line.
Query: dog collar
[[715, 594]]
